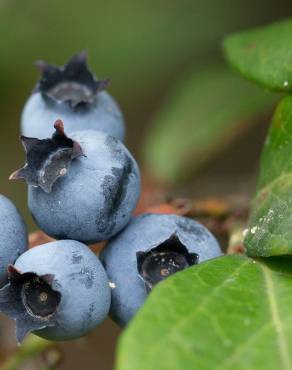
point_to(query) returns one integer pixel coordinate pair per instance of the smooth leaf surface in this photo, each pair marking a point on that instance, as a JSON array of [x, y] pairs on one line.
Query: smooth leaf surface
[[202, 115], [263, 55], [270, 226], [231, 313]]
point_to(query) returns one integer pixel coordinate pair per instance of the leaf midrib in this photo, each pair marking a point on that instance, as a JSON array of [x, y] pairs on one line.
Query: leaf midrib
[[276, 319], [276, 322]]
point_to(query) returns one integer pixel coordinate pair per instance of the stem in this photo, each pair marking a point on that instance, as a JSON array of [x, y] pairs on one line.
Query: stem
[[32, 346], [235, 245]]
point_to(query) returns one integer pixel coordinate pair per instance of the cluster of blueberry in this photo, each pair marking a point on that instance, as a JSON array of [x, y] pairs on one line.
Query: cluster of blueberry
[[82, 189]]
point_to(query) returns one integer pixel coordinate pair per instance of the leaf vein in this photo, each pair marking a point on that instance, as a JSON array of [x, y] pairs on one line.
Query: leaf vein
[[281, 338]]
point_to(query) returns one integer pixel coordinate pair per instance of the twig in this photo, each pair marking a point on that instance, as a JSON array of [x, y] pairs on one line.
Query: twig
[[235, 245]]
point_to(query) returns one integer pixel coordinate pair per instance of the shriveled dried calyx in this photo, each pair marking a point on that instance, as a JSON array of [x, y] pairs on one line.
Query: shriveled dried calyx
[[30, 300], [72, 84], [47, 159], [164, 260]]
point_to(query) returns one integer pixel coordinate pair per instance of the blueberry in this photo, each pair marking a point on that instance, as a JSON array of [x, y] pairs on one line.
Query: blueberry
[[83, 188], [151, 248], [58, 290], [73, 94], [13, 236]]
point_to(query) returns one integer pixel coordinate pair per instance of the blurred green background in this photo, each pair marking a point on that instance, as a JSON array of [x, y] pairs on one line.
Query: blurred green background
[[149, 49]]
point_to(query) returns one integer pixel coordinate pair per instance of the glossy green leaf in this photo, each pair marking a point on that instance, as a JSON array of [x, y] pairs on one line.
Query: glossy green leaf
[[270, 231], [201, 116], [231, 313], [263, 55]]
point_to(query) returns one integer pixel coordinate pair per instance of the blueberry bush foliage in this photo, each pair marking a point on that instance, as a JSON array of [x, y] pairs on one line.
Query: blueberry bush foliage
[[233, 312]]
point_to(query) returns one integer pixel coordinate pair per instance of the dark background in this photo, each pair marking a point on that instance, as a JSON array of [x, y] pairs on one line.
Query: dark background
[[143, 46]]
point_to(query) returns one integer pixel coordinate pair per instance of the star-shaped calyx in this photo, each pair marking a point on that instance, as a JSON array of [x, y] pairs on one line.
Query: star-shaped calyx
[[30, 300], [164, 260], [47, 159], [72, 84]]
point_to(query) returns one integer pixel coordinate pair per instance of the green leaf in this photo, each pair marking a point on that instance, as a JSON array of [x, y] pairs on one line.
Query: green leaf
[[263, 55], [270, 230], [201, 116], [231, 313]]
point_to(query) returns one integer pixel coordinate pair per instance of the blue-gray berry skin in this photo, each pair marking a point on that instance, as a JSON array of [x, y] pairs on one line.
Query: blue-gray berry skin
[[13, 236], [145, 233], [73, 94], [104, 115], [95, 198], [78, 277]]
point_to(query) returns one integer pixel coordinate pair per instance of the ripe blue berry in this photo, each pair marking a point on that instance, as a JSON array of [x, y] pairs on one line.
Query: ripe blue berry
[[58, 290], [83, 188], [13, 236], [151, 248], [73, 94]]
